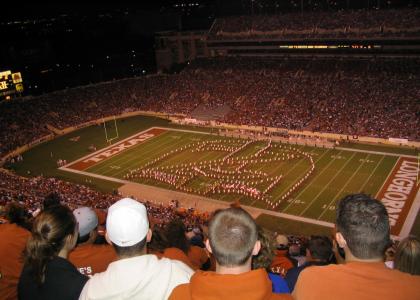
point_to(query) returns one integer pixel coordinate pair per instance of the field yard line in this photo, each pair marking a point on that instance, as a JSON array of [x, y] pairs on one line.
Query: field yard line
[[319, 158], [376, 152], [284, 175], [347, 182], [184, 130], [165, 146], [325, 187], [222, 203], [122, 159], [383, 184], [373, 172], [110, 146]]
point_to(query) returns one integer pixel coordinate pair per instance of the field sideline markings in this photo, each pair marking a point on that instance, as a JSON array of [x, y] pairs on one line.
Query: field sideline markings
[[224, 203], [385, 181], [103, 165], [110, 146], [126, 162], [308, 185], [344, 185], [411, 216], [376, 152], [371, 174], [284, 175], [326, 185], [294, 181]]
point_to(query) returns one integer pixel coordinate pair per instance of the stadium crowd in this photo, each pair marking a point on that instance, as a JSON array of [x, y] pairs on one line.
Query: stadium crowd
[[153, 251], [376, 98], [339, 24]]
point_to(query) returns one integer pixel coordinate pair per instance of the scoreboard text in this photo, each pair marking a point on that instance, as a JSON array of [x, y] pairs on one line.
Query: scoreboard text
[[10, 84]]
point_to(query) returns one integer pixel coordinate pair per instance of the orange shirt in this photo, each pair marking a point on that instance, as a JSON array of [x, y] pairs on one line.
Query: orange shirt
[[178, 254], [12, 242], [252, 285], [198, 256], [356, 280], [90, 259], [281, 264]]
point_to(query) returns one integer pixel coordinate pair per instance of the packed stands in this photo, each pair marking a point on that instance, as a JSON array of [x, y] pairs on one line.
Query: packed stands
[[374, 97], [341, 24]]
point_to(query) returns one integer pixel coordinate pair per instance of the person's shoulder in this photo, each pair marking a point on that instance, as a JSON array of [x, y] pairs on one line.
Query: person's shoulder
[[182, 291], [176, 265], [314, 272]]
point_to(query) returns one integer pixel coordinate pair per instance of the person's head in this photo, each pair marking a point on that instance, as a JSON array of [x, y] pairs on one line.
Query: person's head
[[282, 242], [362, 227], [54, 233], [320, 248], [175, 233], [127, 228], [51, 200], [233, 238], [158, 243], [407, 256], [16, 213], [88, 223], [267, 251]]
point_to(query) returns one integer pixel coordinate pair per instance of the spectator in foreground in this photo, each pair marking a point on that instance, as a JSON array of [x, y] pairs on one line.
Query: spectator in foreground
[[233, 239], [318, 253], [407, 257], [47, 274], [13, 237], [282, 262], [136, 274], [88, 257], [178, 244], [264, 259], [363, 231]]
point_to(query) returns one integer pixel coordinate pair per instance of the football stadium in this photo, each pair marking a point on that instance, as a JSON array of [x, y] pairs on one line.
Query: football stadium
[[236, 142]]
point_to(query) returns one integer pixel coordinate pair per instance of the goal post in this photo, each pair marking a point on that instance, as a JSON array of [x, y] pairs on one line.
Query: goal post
[[114, 127]]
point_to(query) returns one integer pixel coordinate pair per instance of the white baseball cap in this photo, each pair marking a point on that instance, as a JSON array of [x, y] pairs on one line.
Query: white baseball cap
[[127, 222], [87, 219]]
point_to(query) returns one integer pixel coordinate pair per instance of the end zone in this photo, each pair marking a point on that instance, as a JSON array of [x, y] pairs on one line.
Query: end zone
[[110, 151], [401, 197]]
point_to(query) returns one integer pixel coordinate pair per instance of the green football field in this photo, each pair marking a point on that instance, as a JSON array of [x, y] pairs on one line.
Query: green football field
[[336, 173], [198, 161]]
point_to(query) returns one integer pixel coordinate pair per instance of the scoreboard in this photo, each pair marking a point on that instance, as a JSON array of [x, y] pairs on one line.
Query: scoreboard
[[10, 84]]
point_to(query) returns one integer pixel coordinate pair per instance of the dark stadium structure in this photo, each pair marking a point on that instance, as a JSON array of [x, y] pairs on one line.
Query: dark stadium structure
[[285, 108]]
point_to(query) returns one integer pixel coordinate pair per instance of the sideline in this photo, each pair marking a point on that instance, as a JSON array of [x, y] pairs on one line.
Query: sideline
[[376, 152]]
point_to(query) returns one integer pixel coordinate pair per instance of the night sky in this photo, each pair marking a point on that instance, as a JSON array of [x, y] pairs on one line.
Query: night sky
[[73, 43]]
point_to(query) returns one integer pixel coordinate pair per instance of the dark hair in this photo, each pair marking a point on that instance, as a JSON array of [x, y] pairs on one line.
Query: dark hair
[[232, 235], [363, 222], [267, 252], [51, 200], [158, 242], [49, 232], [17, 214], [407, 256], [130, 251], [320, 248], [175, 235]]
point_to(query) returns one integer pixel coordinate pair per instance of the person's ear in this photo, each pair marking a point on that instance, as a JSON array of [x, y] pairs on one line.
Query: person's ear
[[149, 236], [208, 247], [341, 241], [257, 248]]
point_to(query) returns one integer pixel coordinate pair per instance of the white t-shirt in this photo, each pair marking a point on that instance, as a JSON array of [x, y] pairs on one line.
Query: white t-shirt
[[141, 277]]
